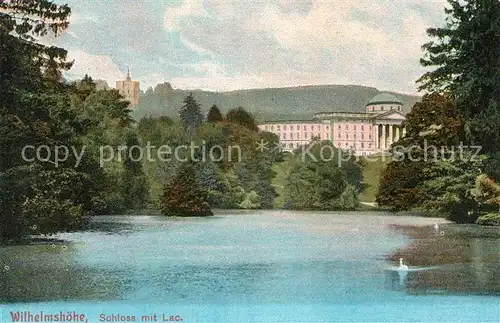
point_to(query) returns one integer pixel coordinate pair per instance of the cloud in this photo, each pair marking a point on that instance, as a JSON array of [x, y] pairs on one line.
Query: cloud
[[368, 42], [97, 66], [225, 45]]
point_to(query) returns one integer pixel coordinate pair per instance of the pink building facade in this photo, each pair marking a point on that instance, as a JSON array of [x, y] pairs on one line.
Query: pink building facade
[[364, 133]]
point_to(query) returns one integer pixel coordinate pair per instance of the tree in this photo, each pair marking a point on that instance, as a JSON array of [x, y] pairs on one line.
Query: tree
[[210, 177], [300, 192], [462, 105], [190, 114], [466, 55], [433, 122], [447, 185], [21, 22], [320, 182], [34, 103], [251, 201], [242, 117], [134, 181], [486, 191], [214, 114], [38, 108], [399, 185], [492, 166], [184, 196]]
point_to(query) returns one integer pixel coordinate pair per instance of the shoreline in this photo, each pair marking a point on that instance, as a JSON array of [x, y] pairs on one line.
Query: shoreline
[[458, 258]]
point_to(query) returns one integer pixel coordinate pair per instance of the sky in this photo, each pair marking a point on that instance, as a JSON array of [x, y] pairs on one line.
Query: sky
[[224, 45]]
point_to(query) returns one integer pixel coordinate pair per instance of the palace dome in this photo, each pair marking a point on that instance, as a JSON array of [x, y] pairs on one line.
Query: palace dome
[[384, 98]]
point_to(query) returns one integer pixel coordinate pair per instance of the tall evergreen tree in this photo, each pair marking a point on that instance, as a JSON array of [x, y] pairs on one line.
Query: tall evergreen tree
[[190, 114], [36, 198], [466, 56], [242, 117], [214, 114]]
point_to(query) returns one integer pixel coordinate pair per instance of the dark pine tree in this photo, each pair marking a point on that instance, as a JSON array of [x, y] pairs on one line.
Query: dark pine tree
[[190, 114], [184, 196], [214, 114], [243, 118], [466, 58]]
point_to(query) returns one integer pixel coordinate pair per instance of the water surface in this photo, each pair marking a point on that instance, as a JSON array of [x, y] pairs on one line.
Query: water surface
[[264, 266]]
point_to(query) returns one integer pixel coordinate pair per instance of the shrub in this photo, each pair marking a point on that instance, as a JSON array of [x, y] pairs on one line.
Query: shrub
[[489, 219]]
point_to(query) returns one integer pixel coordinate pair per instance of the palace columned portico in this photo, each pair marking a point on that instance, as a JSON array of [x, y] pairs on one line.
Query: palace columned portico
[[386, 133]]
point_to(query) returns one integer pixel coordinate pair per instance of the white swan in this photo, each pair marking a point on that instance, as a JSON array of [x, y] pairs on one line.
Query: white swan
[[436, 227], [402, 266]]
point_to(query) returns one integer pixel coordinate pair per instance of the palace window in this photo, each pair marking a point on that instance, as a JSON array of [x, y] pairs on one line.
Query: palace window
[[362, 128], [362, 145], [284, 127], [284, 135], [354, 127], [278, 127]]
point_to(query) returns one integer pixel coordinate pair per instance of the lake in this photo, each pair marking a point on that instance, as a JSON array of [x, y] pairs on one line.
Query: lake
[[258, 266]]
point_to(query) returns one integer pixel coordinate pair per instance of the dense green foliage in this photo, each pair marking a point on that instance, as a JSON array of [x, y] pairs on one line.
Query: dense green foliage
[[184, 196], [42, 194], [214, 114], [243, 118], [134, 182], [453, 135], [30, 96], [431, 123], [324, 178], [224, 159], [467, 62]]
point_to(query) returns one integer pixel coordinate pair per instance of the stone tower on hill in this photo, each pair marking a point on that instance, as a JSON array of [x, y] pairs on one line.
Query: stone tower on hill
[[129, 89]]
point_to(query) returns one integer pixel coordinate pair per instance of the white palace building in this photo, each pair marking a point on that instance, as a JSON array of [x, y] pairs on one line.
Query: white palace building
[[364, 133]]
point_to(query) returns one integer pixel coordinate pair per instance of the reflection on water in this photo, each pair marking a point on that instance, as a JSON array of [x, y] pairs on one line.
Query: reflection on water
[[457, 259], [257, 258]]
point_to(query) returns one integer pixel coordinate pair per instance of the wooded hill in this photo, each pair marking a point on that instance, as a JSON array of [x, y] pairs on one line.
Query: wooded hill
[[266, 104]]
